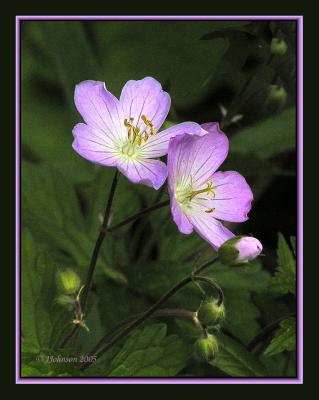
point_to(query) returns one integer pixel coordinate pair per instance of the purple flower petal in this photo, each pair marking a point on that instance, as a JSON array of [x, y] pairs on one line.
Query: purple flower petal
[[233, 197], [210, 229], [145, 97], [249, 248], [92, 144], [149, 172], [157, 145], [194, 159], [100, 109], [180, 218]]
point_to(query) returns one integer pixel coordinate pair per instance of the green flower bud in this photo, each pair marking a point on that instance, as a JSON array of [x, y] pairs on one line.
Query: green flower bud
[[68, 281], [278, 47], [206, 347], [66, 301], [211, 313], [277, 97], [239, 250]]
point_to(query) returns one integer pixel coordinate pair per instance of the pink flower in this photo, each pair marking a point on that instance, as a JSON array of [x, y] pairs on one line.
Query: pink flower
[[200, 196], [125, 133]]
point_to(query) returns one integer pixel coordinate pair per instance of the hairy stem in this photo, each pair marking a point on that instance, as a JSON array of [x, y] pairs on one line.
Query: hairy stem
[[95, 254], [135, 216]]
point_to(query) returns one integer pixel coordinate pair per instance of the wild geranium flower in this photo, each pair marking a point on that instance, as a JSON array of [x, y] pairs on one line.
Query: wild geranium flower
[[200, 196], [125, 133]]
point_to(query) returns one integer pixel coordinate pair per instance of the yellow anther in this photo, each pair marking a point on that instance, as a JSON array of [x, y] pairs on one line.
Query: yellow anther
[[210, 210], [146, 121], [134, 133]]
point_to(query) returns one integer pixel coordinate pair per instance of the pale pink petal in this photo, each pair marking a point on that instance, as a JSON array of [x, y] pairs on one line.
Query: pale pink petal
[[149, 172], [92, 144], [145, 97], [180, 218], [210, 229], [193, 159], [233, 197], [100, 109], [157, 145]]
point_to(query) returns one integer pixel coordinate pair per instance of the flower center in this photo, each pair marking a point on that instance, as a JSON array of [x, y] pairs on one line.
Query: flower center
[[185, 194], [129, 149], [134, 134]]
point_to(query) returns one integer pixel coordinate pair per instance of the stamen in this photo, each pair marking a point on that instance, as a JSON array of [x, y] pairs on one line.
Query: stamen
[[139, 140], [210, 210], [134, 133], [148, 123]]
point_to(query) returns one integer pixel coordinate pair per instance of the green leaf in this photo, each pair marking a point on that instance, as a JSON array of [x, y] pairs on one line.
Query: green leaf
[[269, 137], [47, 136], [48, 362], [50, 208], [118, 302], [236, 361], [177, 55], [71, 50], [150, 352], [37, 290], [42, 320], [284, 339], [51, 50], [284, 280], [293, 243], [252, 165]]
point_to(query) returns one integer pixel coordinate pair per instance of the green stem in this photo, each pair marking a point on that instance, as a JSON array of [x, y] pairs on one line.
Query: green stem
[[134, 324], [135, 216], [95, 254]]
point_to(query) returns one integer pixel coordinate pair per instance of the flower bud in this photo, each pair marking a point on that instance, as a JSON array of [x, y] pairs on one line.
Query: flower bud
[[211, 313], [65, 301], [277, 97], [239, 250], [278, 47], [206, 347], [68, 281]]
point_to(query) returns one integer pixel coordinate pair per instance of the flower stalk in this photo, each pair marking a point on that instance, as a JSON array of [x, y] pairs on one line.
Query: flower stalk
[[135, 216], [148, 313], [95, 254]]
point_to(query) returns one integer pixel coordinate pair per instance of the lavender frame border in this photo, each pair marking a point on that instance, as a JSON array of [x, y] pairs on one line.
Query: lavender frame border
[[299, 379]]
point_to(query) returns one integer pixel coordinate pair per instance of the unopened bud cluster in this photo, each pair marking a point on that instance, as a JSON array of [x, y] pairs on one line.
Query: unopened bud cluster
[[206, 347], [68, 281], [210, 314]]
